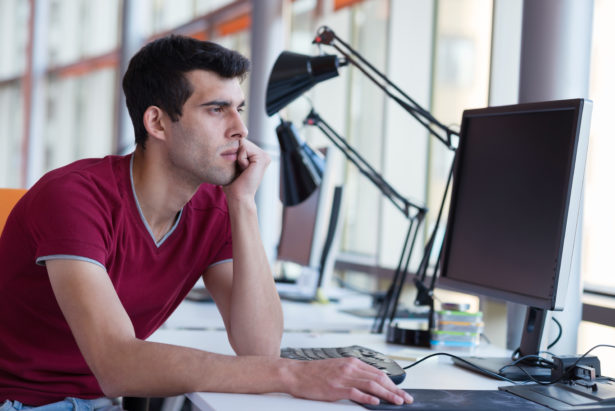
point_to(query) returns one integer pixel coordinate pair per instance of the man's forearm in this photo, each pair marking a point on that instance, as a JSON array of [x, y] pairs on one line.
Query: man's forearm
[[148, 369], [256, 322], [143, 368]]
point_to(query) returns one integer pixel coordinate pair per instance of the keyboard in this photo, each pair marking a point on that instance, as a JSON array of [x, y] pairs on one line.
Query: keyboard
[[367, 355]]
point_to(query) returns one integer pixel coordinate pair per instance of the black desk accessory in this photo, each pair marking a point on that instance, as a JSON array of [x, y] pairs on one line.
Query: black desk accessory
[[568, 396], [461, 400]]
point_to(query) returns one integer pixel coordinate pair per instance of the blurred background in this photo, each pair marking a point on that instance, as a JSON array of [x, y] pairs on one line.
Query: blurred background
[[61, 63]]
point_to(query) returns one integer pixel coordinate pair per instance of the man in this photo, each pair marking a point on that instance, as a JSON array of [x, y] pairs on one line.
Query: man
[[98, 254]]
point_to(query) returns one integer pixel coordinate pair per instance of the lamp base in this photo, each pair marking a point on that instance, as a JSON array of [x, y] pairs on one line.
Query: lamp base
[[408, 336]]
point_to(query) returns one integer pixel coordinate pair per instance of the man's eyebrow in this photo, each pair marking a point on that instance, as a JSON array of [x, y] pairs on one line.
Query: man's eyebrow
[[216, 103], [221, 103]]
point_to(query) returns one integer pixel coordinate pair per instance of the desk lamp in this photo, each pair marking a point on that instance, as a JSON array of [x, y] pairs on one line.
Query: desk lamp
[[292, 75], [301, 167]]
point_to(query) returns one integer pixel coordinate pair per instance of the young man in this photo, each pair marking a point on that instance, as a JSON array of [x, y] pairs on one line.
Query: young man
[[99, 253]]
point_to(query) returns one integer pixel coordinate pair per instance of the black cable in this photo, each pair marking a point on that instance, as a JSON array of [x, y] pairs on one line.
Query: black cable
[[515, 363], [587, 352], [516, 360], [559, 335], [546, 352], [540, 362], [571, 367], [465, 362]]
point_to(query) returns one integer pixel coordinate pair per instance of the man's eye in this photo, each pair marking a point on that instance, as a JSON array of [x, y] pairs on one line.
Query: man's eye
[[241, 109]]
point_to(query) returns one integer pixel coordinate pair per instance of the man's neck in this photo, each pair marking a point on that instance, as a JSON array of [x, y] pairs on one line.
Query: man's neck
[[160, 197]]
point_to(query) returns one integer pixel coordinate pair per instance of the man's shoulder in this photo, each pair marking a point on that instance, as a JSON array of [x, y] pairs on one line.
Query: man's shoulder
[[91, 167], [97, 182], [101, 174]]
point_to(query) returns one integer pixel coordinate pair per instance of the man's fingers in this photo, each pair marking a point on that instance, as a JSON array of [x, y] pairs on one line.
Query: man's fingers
[[361, 397], [347, 378], [379, 384], [382, 392], [373, 383], [242, 157]]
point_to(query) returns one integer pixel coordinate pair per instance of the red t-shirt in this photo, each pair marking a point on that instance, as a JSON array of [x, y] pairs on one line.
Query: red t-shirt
[[88, 210]]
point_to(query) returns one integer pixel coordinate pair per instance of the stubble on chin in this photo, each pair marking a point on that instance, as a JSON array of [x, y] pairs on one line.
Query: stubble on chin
[[231, 176]]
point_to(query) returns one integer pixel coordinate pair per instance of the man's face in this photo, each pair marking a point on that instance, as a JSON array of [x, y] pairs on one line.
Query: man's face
[[203, 143]]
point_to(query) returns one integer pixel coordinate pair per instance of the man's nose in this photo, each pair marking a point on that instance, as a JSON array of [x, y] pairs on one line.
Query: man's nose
[[238, 128]]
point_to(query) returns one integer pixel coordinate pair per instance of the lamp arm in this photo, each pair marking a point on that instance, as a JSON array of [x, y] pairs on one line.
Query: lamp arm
[[328, 37], [401, 202], [446, 191], [424, 293]]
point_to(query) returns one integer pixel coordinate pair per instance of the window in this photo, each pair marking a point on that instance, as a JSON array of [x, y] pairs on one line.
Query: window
[[11, 126], [13, 42], [462, 65], [74, 105], [13, 37], [599, 219], [80, 117]]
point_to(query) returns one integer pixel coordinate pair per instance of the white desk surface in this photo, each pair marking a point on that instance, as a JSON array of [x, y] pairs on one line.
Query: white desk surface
[[298, 316], [434, 373]]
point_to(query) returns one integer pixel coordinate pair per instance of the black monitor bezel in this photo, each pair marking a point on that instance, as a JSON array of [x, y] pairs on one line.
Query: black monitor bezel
[[548, 302]]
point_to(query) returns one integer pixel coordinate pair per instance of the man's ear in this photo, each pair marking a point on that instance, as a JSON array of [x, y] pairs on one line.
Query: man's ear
[[154, 122]]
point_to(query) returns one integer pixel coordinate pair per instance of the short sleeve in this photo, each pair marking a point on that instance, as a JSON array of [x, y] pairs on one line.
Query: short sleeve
[[225, 252], [70, 216]]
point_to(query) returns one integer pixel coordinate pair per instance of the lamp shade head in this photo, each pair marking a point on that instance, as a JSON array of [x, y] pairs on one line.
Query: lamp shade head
[[301, 167], [293, 74]]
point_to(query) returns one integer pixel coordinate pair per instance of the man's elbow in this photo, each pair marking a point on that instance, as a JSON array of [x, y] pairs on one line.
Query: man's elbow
[[112, 372], [111, 389], [269, 347], [113, 379]]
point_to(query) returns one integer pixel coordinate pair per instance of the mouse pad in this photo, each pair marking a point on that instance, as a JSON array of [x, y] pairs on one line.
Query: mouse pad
[[460, 400]]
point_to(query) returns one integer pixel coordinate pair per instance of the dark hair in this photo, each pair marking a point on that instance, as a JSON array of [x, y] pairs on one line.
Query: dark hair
[[155, 75]]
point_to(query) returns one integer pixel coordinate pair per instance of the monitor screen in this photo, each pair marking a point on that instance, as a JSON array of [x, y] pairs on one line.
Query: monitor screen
[[514, 214], [515, 200]]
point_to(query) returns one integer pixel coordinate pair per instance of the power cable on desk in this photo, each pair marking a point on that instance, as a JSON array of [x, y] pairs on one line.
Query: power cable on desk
[[541, 362], [568, 368], [586, 353], [571, 367], [464, 361], [515, 363]]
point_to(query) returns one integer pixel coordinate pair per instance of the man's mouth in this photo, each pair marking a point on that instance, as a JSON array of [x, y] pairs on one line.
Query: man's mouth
[[230, 154]]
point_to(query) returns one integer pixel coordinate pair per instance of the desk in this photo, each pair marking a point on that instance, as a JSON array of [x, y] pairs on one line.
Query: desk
[[436, 372], [298, 316]]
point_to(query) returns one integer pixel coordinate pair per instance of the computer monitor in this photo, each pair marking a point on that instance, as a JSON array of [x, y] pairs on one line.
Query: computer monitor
[[308, 239], [514, 210]]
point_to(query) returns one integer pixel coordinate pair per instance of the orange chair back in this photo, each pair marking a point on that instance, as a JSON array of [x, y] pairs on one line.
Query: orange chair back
[[8, 198]]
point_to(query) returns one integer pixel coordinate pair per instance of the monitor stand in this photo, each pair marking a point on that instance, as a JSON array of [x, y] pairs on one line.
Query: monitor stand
[[528, 370], [581, 395], [515, 372]]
